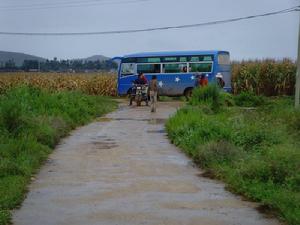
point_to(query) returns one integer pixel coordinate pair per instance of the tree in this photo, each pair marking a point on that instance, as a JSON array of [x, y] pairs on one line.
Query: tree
[[30, 65], [10, 65]]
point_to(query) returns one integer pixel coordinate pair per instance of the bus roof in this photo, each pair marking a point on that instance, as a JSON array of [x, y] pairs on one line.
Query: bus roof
[[175, 53]]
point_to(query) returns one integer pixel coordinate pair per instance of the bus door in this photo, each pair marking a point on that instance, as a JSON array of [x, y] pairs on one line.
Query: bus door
[[224, 68], [127, 74]]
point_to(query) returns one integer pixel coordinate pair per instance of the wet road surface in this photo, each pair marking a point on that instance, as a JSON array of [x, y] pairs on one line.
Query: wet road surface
[[122, 170]]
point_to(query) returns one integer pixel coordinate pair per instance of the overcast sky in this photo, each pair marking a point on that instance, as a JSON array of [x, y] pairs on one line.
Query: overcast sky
[[274, 36]]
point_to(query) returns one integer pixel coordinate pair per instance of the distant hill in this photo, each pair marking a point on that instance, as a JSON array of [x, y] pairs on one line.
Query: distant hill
[[96, 58], [18, 57]]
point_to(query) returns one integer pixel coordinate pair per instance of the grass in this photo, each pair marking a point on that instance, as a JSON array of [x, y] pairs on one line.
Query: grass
[[32, 121], [254, 150]]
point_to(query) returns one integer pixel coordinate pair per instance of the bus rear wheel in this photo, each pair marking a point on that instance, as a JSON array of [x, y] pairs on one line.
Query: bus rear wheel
[[188, 93]]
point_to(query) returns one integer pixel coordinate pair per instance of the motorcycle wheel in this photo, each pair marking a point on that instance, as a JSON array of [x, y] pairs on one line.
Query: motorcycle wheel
[[138, 101]]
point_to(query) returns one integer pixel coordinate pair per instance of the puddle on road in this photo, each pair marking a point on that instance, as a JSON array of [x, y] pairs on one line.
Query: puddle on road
[[179, 160], [108, 139], [50, 162], [150, 121], [122, 107], [162, 131], [104, 142], [104, 119], [208, 204], [105, 145], [157, 121], [266, 210]]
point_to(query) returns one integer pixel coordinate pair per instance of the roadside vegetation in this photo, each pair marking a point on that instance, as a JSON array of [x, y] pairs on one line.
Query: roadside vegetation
[[268, 77], [88, 83], [250, 142], [32, 121]]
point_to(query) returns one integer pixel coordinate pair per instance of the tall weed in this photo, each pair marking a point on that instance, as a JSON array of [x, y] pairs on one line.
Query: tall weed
[[208, 95]]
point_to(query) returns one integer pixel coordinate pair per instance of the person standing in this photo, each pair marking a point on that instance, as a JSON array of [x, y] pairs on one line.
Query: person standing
[[197, 80], [203, 80], [153, 90], [220, 81]]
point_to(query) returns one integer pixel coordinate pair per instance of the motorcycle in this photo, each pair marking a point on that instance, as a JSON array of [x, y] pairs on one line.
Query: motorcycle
[[139, 93]]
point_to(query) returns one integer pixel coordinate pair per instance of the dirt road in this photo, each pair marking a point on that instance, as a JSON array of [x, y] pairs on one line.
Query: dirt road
[[122, 170]]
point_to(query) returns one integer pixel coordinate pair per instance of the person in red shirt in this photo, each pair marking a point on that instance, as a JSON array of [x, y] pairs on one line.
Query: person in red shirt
[[203, 80], [143, 77]]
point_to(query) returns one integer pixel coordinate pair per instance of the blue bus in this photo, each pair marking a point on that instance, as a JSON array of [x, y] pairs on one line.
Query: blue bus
[[175, 71]]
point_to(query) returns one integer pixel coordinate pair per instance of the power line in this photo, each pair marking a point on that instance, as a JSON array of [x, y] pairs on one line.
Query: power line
[[68, 4], [49, 4], [289, 10]]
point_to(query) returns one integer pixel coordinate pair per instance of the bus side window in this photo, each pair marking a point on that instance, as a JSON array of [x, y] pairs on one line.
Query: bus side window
[[148, 68], [200, 67], [175, 68]]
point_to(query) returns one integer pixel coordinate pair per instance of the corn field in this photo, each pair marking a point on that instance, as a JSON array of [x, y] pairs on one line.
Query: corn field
[[264, 77], [94, 84], [267, 77]]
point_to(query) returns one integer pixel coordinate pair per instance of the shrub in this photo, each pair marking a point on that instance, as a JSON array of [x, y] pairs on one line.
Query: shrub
[[216, 152], [295, 120], [12, 118], [208, 95], [283, 162], [191, 127], [278, 165], [249, 99], [254, 136], [4, 216], [227, 99]]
